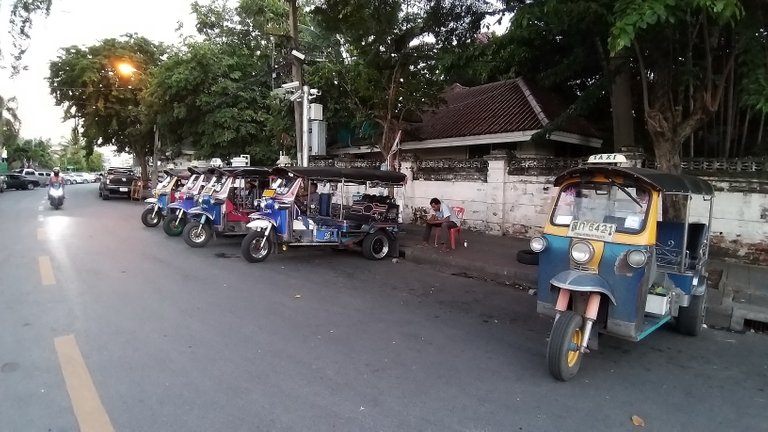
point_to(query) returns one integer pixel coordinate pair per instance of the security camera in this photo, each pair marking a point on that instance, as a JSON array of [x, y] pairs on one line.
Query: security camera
[[298, 55], [296, 96], [315, 92], [291, 85]]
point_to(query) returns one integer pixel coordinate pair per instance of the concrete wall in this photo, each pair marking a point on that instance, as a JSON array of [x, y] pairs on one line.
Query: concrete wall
[[517, 205]]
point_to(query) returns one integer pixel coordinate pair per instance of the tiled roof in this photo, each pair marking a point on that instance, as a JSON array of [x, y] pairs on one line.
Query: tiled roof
[[500, 107]]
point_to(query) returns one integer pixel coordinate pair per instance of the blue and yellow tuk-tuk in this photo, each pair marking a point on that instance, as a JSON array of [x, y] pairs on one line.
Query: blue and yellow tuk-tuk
[[621, 254]]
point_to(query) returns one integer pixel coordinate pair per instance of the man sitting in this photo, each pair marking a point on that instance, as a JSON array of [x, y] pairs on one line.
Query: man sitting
[[443, 218]]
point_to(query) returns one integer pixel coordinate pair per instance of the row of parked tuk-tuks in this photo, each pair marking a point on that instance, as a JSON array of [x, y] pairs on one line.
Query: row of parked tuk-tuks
[[273, 209], [621, 251]]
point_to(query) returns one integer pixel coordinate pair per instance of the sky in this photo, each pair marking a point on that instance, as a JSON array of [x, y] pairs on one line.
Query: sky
[[78, 22]]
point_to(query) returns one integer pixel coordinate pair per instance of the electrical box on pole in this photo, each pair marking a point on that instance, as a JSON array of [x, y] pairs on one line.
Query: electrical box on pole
[[315, 111], [317, 131]]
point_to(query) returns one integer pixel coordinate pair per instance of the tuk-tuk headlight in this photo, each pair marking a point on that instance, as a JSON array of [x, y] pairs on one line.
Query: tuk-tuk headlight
[[538, 244], [582, 252], [637, 258]]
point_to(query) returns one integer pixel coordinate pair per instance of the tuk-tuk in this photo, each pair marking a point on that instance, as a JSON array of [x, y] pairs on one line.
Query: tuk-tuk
[[164, 194], [294, 212], [223, 206], [621, 254], [174, 222]]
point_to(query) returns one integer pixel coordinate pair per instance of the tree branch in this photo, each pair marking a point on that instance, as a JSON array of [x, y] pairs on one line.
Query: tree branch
[[643, 78]]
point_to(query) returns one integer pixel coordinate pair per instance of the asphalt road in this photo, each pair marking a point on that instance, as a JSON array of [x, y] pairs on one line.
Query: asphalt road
[[108, 324]]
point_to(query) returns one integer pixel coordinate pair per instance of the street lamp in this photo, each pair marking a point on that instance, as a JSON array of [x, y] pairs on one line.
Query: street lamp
[[128, 69]]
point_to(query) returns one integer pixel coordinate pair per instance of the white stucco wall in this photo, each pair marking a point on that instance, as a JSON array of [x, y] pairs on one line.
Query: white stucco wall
[[518, 206]]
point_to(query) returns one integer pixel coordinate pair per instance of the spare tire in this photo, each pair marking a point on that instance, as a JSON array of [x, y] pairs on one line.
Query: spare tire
[[527, 256]]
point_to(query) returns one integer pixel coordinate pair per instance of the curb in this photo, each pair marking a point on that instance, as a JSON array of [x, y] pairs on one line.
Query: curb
[[447, 263]]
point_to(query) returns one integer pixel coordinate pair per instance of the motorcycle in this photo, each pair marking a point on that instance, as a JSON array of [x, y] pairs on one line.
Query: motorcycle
[[56, 195]]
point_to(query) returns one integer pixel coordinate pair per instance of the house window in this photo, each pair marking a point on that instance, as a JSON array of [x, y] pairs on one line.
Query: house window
[[478, 151]]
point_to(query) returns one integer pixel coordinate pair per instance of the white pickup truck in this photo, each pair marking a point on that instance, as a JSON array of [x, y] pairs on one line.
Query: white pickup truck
[[44, 177]]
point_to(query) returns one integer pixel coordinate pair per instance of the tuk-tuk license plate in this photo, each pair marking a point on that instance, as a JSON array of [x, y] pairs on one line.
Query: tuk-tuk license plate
[[269, 193], [592, 230], [123, 189]]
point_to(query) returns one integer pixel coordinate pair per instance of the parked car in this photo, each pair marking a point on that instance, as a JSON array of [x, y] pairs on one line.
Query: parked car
[[2, 183], [117, 182], [44, 177], [75, 178], [20, 182], [89, 177]]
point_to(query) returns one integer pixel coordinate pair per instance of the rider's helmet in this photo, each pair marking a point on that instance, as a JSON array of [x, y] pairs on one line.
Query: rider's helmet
[[56, 171]]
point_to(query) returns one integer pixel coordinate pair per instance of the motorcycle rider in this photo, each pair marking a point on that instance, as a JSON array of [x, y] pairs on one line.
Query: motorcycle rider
[[57, 178]]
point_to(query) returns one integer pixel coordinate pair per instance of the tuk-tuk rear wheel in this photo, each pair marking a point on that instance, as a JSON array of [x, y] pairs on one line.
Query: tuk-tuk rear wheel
[[690, 319], [563, 356], [252, 250], [376, 245]]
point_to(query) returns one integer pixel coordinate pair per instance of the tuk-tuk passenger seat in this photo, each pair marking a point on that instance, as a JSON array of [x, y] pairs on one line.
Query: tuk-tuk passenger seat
[[669, 242]]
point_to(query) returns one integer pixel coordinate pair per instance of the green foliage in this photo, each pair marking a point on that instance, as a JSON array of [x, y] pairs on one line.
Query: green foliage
[[34, 152], [633, 17], [213, 95], [86, 83], [391, 70]]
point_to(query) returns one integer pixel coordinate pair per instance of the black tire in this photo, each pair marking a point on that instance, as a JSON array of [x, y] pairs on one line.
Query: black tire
[[690, 319], [197, 235], [171, 227], [30, 186], [250, 244], [376, 245], [148, 220], [528, 257], [564, 363]]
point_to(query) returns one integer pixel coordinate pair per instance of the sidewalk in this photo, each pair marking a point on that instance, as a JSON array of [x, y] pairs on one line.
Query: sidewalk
[[737, 292], [486, 256], [738, 296]]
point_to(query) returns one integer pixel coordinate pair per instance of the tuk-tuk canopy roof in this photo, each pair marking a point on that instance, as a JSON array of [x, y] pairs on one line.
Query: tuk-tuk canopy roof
[[177, 173], [252, 171], [660, 181], [348, 174]]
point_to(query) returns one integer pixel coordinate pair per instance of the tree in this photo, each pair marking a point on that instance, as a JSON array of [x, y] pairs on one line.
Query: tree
[[86, 82], [213, 94], [32, 153], [391, 69], [9, 123], [685, 52]]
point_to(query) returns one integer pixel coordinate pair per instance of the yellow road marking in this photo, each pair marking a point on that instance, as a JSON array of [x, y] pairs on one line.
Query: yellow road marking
[[41, 234], [90, 413], [46, 270]]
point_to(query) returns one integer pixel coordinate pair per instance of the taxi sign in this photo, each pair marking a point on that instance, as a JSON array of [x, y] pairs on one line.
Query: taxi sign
[[607, 158], [268, 193]]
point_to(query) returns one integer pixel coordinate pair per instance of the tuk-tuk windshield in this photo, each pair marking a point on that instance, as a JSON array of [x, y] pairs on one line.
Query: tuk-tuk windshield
[[605, 203], [283, 185]]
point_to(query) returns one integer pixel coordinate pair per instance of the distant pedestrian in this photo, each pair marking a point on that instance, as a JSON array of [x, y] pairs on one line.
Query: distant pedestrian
[[443, 218]]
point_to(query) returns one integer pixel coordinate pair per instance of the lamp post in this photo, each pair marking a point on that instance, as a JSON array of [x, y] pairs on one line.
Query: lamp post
[[128, 69]]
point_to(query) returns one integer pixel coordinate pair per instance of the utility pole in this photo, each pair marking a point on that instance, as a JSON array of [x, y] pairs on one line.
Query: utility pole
[[293, 17], [155, 154]]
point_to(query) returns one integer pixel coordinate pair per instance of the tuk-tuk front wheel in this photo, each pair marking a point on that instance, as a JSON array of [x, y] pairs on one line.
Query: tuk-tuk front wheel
[[172, 226], [375, 245], [197, 234], [151, 218], [690, 319], [252, 248], [563, 355]]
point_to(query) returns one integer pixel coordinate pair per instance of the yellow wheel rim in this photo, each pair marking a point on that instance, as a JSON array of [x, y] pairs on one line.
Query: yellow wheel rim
[[573, 356]]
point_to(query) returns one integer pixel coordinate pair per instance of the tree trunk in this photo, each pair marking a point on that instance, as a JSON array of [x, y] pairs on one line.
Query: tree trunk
[[729, 119], [743, 144], [621, 104], [759, 142]]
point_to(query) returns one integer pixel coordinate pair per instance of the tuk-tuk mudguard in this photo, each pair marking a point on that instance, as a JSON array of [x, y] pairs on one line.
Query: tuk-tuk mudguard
[[196, 212], [260, 221], [583, 282], [152, 201]]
